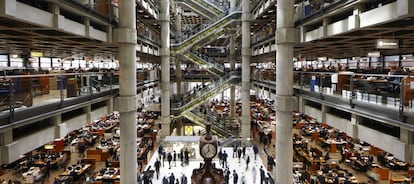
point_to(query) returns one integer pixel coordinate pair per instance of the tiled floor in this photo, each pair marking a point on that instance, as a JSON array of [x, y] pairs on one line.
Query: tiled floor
[[233, 163]]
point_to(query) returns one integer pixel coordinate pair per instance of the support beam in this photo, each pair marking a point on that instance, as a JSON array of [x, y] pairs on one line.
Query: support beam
[[285, 38], [232, 59], [246, 55], [164, 18], [126, 37]]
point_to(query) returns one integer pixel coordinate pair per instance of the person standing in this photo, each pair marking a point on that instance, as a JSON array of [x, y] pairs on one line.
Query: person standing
[[172, 178], [157, 166], [254, 173], [262, 175], [169, 158], [174, 158], [239, 153], [255, 150], [224, 159], [247, 161], [183, 179], [235, 177], [165, 180], [227, 176]]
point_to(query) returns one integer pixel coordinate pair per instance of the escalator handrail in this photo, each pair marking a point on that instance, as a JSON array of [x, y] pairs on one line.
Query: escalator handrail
[[205, 27], [205, 90]]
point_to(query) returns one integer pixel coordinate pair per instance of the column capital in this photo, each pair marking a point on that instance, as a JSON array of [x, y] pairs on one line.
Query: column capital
[[286, 35]]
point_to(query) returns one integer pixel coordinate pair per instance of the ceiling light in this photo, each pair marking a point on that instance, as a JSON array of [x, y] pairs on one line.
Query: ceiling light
[[146, 16], [140, 11]]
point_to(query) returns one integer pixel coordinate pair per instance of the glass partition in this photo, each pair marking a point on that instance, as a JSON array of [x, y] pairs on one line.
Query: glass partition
[[23, 91]]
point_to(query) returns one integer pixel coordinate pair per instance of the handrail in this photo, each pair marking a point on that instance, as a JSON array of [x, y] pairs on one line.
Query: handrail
[[198, 33], [201, 59], [206, 93], [207, 4], [215, 127]]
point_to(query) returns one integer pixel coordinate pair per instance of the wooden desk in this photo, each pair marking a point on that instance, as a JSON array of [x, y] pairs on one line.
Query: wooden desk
[[76, 174], [383, 173]]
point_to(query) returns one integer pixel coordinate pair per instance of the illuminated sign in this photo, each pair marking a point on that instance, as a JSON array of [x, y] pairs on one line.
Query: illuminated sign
[[36, 54], [387, 44], [374, 54]]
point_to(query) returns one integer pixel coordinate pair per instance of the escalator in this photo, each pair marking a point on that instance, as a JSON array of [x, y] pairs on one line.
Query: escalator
[[199, 97], [205, 31], [202, 12], [207, 63], [205, 6], [219, 129]]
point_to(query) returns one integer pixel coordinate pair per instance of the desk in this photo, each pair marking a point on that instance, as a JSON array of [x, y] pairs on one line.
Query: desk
[[76, 171], [108, 174]]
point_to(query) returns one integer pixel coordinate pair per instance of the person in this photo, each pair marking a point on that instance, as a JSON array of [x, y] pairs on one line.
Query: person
[[174, 157], [227, 176], [169, 158], [254, 173], [327, 155], [243, 179], [255, 150], [56, 181], [235, 177], [224, 159], [234, 150], [177, 181], [239, 153], [165, 180], [172, 178], [157, 166], [183, 179], [247, 161], [262, 175]]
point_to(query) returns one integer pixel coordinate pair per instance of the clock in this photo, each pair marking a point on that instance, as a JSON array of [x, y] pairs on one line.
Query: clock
[[208, 150]]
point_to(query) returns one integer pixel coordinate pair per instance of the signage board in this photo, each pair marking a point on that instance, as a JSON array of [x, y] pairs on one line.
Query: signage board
[[387, 44]]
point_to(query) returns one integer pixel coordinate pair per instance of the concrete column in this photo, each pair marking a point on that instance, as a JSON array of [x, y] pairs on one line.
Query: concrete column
[[6, 137], [324, 110], [54, 8], [301, 104], [355, 121], [126, 37], [57, 18], [56, 121], [232, 5], [303, 30], [407, 137], [110, 104], [325, 23], [109, 32], [232, 60], [178, 28], [179, 127], [164, 18], [87, 22], [246, 54], [285, 102], [87, 109]]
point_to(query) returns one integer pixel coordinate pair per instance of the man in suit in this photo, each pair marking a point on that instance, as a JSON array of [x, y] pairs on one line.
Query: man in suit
[[262, 175]]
